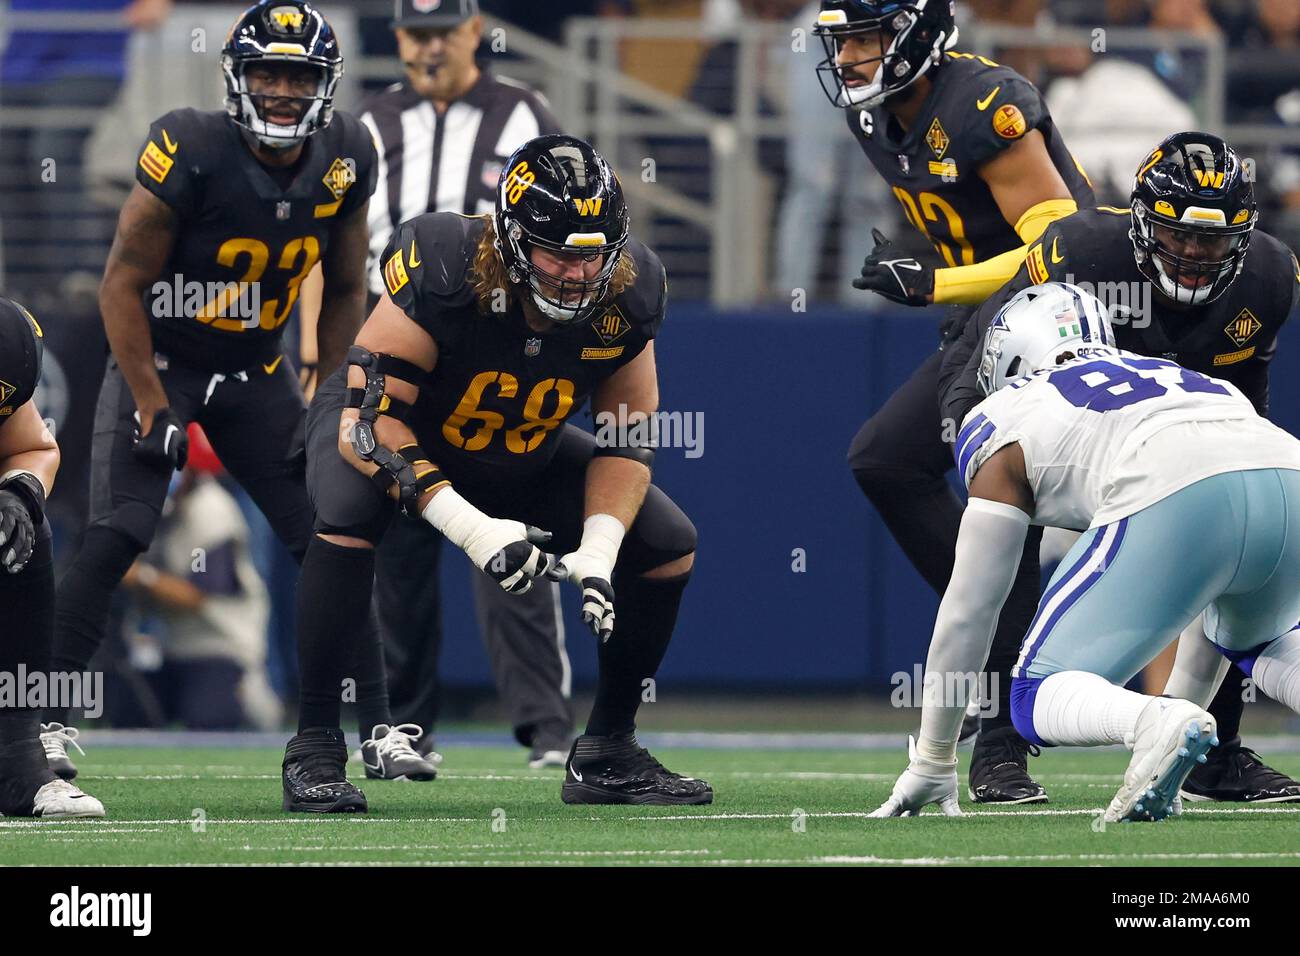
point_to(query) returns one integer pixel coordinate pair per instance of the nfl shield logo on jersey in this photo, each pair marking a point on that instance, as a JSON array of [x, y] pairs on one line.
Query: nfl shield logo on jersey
[[532, 347]]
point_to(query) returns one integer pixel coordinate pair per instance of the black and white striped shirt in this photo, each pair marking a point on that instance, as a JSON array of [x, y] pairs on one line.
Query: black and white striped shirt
[[448, 162]]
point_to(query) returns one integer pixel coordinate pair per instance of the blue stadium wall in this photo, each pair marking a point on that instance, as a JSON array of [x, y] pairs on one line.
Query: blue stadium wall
[[781, 397]]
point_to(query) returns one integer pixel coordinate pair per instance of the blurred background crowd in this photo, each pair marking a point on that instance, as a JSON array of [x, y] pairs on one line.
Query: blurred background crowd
[[739, 172]]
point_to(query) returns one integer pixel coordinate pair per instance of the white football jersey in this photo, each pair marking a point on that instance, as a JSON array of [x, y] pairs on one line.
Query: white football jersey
[[1111, 433]]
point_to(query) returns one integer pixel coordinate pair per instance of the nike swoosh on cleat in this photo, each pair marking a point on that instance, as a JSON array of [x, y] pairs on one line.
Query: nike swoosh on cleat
[[574, 770], [983, 104]]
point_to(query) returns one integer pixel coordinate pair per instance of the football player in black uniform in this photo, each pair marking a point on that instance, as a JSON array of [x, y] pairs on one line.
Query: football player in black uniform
[[1180, 286], [230, 212], [494, 330], [973, 156], [29, 459]]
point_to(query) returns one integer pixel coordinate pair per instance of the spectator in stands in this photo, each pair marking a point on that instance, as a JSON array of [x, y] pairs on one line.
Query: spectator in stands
[[198, 583], [44, 68], [542, 18]]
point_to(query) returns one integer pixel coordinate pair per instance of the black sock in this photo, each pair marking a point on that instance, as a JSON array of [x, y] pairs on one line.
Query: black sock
[[82, 603], [1228, 704], [1013, 624], [645, 611], [333, 607], [28, 636], [372, 682]]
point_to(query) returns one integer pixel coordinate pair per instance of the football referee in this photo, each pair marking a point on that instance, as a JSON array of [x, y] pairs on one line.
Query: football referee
[[443, 134]]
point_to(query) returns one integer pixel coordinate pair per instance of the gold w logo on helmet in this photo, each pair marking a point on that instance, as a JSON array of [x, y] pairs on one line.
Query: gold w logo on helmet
[[1208, 177], [589, 207], [287, 17]]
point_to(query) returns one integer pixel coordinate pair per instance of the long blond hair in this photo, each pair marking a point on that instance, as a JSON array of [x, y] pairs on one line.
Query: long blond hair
[[488, 272]]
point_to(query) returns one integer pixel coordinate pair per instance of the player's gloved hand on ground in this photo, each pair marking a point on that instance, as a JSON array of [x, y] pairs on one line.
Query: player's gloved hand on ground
[[591, 568], [898, 277], [17, 531], [166, 446], [922, 783], [506, 551]]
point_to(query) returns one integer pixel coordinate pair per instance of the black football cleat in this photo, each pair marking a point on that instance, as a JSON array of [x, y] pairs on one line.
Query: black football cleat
[[1235, 774], [619, 770], [999, 769], [315, 776]]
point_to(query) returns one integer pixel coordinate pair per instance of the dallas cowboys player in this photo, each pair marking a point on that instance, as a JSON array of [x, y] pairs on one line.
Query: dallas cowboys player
[[1191, 503]]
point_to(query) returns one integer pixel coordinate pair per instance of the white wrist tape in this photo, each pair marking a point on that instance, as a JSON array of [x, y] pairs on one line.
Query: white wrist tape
[[469, 529], [602, 536]]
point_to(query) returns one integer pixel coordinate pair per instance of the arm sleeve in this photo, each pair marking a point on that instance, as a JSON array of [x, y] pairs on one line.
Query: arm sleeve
[[989, 545]]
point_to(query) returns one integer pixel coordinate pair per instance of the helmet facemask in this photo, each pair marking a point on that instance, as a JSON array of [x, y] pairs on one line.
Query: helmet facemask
[[248, 109], [1184, 279], [562, 300], [893, 72]]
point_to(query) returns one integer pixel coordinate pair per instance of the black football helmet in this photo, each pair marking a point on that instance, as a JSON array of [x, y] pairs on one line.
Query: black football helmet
[[1193, 212], [921, 31], [557, 193], [283, 31], [22, 347]]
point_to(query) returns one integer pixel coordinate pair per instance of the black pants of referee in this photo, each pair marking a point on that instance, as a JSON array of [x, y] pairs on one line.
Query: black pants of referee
[[900, 458], [255, 420], [522, 633]]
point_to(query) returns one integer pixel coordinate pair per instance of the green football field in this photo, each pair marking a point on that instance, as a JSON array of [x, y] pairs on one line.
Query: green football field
[[221, 805]]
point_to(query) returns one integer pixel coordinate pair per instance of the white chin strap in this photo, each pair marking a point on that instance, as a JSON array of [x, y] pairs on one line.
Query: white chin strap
[[273, 135], [865, 97], [554, 312], [1179, 292]]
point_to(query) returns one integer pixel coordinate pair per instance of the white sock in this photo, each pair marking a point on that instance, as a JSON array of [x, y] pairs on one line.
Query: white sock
[[1075, 708], [1277, 670]]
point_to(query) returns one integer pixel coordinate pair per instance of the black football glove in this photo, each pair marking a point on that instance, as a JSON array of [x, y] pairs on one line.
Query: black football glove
[[22, 500], [166, 446], [514, 565], [899, 278]]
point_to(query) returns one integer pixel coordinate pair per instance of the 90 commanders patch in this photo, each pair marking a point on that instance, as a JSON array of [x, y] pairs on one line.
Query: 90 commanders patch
[[395, 276], [1008, 121], [155, 162]]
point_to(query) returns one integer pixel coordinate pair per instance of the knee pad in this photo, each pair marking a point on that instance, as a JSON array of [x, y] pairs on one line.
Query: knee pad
[[134, 521], [1024, 693]]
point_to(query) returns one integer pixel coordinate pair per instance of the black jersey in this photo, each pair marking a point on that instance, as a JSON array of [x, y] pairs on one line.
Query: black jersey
[[492, 408], [975, 110], [1232, 338], [247, 235]]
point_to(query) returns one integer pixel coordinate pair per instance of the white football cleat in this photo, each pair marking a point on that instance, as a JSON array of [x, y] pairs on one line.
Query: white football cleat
[[389, 754], [54, 740], [60, 800], [1171, 737]]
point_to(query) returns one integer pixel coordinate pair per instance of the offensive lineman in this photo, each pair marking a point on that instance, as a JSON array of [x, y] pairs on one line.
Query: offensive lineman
[[973, 156], [238, 205], [29, 459], [493, 331], [1162, 465], [1215, 308]]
